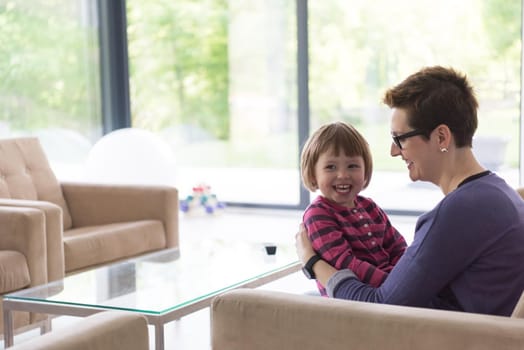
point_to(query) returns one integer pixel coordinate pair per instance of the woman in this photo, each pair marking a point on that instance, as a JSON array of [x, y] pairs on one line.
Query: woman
[[468, 252]]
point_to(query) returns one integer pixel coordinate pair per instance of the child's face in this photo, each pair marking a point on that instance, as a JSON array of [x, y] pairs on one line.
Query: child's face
[[340, 178]]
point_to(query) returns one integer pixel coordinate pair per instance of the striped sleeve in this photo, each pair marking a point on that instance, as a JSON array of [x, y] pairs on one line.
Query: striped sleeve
[[330, 242]]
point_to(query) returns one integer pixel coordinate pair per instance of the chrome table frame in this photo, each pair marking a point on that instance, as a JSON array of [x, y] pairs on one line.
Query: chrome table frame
[[158, 321]]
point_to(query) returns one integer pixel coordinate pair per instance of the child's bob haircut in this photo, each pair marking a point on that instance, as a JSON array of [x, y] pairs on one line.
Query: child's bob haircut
[[335, 137]]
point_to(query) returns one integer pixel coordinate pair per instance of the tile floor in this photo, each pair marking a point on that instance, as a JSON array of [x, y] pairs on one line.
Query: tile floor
[[192, 332]]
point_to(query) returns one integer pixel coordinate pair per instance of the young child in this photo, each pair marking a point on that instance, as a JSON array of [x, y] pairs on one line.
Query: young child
[[346, 230]]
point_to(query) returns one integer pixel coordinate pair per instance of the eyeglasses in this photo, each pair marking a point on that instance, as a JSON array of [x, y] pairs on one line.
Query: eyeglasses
[[398, 138]]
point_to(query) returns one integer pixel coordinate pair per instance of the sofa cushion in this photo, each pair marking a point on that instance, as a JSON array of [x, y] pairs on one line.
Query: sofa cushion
[[14, 271], [25, 173], [94, 245]]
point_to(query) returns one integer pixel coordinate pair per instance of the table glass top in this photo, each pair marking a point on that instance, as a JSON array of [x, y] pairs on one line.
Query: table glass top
[[165, 281]]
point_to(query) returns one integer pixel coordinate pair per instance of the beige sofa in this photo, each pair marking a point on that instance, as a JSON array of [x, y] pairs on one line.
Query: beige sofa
[[49, 229], [109, 330], [261, 319]]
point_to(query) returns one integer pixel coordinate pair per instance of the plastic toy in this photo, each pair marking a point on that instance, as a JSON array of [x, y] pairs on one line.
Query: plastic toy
[[201, 201]]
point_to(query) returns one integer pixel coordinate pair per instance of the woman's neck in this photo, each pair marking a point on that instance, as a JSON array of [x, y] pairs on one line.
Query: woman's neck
[[462, 165]]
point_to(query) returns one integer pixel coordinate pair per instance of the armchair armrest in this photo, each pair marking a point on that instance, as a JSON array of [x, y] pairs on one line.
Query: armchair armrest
[[53, 232], [261, 319], [23, 230], [104, 330], [100, 204]]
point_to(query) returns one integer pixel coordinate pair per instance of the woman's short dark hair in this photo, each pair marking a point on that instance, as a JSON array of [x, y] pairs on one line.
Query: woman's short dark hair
[[334, 137], [435, 96]]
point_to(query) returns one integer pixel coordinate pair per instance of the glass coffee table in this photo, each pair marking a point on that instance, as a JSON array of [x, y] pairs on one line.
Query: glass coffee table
[[162, 286]]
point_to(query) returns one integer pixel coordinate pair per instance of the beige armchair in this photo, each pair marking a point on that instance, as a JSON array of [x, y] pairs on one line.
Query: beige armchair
[[260, 319], [107, 330], [98, 223], [81, 224]]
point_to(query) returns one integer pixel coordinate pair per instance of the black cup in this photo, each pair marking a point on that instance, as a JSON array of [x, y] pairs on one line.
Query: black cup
[[271, 249]]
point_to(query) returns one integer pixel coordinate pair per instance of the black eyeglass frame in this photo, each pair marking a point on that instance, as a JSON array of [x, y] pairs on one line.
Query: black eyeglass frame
[[398, 138]]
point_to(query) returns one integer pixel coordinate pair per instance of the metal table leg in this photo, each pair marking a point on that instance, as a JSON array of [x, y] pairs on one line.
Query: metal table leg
[[8, 327], [159, 337]]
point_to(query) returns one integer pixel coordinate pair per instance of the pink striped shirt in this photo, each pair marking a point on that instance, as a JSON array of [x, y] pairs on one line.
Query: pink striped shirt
[[360, 239]]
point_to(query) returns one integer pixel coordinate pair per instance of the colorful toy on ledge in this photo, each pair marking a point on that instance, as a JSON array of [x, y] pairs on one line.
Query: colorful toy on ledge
[[201, 201]]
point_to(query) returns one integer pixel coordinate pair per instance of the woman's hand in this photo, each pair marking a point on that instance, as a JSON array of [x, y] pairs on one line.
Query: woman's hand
[[303, 245]]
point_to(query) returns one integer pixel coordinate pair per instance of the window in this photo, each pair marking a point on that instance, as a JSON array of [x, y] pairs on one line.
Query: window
[[217, 80], [360, 48], [49, 76]]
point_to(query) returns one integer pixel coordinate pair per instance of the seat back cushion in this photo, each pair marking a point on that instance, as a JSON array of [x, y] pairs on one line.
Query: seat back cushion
[[520, 190], [518, 312], [25, 173]]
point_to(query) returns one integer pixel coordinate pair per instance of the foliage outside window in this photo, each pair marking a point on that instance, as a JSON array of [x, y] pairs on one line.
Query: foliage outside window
[[219, 76], [49, 67], [360, 48], [179, 64]]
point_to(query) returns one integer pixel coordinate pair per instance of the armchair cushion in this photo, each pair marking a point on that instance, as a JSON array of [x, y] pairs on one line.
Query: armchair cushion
[[102, 204], [112, 222], [25, 173], [93, 245]]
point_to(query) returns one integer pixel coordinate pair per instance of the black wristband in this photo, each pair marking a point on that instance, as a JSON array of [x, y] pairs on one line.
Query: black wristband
[[308, 268]]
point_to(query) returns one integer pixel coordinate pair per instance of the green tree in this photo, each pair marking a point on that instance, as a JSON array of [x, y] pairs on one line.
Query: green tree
[[502, 21], [179, 64], [46, 68]]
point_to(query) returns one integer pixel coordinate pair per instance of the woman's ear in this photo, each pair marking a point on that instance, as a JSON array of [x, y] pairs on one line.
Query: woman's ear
[[443, 136]]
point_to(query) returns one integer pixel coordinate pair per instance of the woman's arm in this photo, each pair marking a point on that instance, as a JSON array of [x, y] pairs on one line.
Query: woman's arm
[[413, 281]]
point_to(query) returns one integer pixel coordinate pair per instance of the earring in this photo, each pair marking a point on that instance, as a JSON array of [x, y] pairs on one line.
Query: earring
[[443, 150]]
